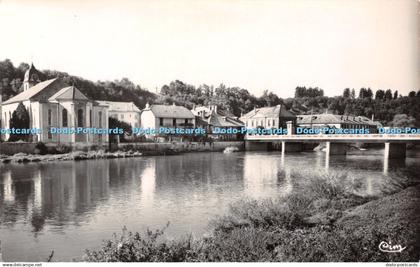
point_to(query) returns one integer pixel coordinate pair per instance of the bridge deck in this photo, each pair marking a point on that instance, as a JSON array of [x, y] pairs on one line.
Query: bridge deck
[[338, 138]]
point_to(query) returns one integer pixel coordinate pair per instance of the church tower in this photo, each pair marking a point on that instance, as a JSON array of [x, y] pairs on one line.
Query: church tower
[[32, 77]]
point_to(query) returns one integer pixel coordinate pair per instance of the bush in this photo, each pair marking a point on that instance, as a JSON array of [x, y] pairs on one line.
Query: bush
[[307, 225], [63, 149], [41, 148], [133, 247]]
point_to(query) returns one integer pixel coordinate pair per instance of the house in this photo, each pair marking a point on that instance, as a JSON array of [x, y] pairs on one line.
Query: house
[[270, 117], [217, 122], [166, 116], [127, 112], [54, 104], [337, 121]]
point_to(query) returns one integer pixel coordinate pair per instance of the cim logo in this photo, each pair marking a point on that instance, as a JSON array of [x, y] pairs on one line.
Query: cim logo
[[387, 247]]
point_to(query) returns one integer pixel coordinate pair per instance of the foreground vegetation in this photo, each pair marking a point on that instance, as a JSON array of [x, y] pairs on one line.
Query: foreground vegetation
[[325, 219]]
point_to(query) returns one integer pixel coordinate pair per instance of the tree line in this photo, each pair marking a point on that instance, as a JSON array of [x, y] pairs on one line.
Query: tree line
[[383, 105]]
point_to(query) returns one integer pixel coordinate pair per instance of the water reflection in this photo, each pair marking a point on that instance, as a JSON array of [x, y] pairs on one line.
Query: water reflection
[[70, 206], [261, 175]]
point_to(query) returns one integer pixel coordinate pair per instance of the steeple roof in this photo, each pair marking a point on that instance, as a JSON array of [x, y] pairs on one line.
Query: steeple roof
[[34, 75]]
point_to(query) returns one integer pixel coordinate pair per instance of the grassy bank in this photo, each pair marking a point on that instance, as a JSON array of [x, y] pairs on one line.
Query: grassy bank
[[325, 219]]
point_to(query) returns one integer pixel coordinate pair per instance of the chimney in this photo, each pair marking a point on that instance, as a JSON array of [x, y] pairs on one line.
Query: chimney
[[373, 117]]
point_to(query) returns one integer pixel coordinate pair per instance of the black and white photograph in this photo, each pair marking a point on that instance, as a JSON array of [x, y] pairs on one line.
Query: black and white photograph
[[224, 131]]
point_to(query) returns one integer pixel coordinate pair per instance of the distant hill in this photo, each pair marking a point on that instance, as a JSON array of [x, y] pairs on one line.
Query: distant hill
[[11, 79]]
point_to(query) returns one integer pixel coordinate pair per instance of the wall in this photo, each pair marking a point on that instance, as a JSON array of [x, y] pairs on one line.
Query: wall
[[182, 146], [17, 147], [7, 148], [130, 117], [147, 119]]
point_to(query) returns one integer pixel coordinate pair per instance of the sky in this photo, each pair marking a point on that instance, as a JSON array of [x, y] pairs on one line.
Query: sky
[[257, 45]]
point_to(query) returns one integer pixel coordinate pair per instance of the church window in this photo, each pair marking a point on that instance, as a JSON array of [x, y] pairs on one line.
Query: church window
[[100, 119], [49, 117], [80, 118], [65, 118], [90, 117]]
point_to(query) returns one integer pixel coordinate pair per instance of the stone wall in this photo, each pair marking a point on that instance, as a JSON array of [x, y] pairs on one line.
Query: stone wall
[[11, 148], [182, 146], [7, 148]]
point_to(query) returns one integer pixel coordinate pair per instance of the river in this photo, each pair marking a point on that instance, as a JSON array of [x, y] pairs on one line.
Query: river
[[70, 206]]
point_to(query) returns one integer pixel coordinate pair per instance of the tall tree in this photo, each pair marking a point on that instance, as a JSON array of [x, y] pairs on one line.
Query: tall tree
[[346, 93], [19, 120], [380, 94], [388, 94], [396, 94], [353, 93]]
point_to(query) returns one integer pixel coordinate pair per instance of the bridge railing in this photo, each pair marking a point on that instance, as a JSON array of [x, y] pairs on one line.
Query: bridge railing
[[361, 137]]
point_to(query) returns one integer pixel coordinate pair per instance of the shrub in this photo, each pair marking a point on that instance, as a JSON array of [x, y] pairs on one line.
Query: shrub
[[63, 149], [41, 148], [307, 225], [133, 247]]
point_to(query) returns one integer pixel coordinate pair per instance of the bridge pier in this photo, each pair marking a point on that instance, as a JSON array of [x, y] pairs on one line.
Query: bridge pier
[[335, 148], [256, 146], [291, 147], [395, 150]]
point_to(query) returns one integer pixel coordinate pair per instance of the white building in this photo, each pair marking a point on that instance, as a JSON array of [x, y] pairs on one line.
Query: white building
[[269, 117], [123, 111], [169, 116], [53, 103], [337, 121]]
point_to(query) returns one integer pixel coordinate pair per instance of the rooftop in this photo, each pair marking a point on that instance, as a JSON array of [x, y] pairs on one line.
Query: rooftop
[[269, 112], [32, 92], [120, 106], [334, 119], [68, 93], [170, 111]]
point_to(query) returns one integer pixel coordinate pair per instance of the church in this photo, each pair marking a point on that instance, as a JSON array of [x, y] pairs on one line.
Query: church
[[52, 103]]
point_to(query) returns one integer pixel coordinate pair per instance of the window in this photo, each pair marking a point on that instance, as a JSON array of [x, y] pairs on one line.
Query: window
[[80, 118], [49, 124], [268, 123], [90, 118], [274, 123], [122, 116], [100, 119], [161, 121], [186, 121], [49, 117], [174, 122], [64, 118]]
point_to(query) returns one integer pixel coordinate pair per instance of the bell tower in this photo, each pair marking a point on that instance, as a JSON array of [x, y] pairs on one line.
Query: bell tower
[[32, 77]]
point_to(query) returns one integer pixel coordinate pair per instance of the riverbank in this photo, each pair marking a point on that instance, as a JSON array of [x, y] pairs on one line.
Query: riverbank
[[77, 155], [326, 220], [9, 151]]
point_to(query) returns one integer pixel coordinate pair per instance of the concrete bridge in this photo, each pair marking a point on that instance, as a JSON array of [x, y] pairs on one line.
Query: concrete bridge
[[335, 144]]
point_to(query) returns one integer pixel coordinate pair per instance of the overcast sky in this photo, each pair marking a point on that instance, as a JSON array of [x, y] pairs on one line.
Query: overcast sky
[[257, 45]]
